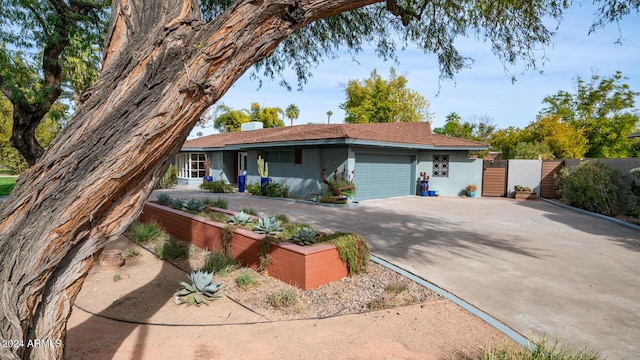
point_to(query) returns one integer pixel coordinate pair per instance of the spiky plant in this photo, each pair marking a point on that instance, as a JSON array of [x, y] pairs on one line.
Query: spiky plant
[[164, 199], [268, 226], [240, 218], [195, 205], [201, 290], [305, 236]]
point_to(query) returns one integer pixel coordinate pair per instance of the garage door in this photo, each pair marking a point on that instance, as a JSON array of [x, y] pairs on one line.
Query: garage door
[[380, 176]]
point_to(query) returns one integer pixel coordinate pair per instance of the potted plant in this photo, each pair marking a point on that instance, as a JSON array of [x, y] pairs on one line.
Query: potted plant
[[523, 192], [471, 190], [424, 184], [340, 186], [263, 171]]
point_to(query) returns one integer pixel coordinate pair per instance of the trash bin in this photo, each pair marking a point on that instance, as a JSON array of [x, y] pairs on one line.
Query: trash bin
[[207, 179], [242, 182]]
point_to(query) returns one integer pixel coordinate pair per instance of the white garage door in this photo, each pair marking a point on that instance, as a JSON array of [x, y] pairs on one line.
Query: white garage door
[[380, 176]]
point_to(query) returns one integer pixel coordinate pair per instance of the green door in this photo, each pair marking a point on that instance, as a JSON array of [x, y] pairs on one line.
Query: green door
[[380, 176]]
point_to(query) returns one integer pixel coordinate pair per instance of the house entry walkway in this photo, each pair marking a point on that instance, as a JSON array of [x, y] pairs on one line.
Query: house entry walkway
[[540, 269]]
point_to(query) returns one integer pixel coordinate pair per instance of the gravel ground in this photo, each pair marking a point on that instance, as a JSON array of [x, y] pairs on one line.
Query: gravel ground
[[376, 289]]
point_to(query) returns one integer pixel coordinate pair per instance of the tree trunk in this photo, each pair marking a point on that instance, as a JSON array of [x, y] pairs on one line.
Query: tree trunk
[[163, 68]]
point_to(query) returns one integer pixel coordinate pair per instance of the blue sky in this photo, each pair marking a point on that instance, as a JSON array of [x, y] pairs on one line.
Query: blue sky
[[485, 89]]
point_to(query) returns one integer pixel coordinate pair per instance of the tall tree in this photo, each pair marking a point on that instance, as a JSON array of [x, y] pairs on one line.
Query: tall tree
[[603, 109], [329, 113], [165, 64], [376, 100], [268, 116], [564, 140], [42, 45], [479, 128], [229, 120], [292, 112]]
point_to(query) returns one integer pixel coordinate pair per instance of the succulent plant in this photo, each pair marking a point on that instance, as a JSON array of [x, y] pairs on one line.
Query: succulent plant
[[194, 205], [268, 226], [177, 204], [240, 218], [201, 290], [164, 199], [305, 236]]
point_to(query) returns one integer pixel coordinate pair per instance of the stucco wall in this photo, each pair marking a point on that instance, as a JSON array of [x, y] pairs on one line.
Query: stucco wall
[[525, 173], [462, 172]]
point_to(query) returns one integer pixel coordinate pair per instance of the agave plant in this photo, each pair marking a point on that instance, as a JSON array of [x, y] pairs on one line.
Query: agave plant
[[241, 218], [268, 226], [164, 199], [177, 204], [194, 205], [305, 236], [201, 290]]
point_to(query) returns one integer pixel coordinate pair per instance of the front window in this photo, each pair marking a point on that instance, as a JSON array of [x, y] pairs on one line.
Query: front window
[[192, 165], [279, 156]]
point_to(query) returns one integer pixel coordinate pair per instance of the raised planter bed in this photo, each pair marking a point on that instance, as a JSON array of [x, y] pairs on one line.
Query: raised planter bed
[[525, 195], [300, 266]]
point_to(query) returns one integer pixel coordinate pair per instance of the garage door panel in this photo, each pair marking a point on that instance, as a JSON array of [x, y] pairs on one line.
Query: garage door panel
[[379, 176]]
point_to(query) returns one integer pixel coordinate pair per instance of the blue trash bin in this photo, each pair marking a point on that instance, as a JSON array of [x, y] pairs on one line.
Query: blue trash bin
[[242, 182], [208, 179], [424, 187]]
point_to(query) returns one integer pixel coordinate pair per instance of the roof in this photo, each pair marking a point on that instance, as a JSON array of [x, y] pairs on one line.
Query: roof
[[416, 135], [634, 135]]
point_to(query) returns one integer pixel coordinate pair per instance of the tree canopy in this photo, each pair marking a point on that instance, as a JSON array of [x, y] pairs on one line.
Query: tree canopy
[[292, 112], [478, 128], [376, 100]]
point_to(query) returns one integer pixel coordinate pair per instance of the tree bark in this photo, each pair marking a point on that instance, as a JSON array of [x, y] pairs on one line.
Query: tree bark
[[163, 68]]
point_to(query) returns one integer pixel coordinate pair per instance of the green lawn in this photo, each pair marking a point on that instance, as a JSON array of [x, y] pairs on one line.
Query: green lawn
[[6, 184]]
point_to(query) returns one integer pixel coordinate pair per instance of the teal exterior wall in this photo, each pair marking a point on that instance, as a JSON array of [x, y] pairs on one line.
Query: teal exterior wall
[[462, 172]]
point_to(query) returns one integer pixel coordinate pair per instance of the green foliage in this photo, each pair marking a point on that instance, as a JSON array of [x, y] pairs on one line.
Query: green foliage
[[268, 116], [172, 249], [284, 298], [282, 218], [290, 229], [592, 186], [241, 218], [219, 202], [542, 350], [269, 226], [564, 140], [219, 262], [376, 100], [202, 289], [603, 109], [633, 203], [396, 287], [478, 129], [116, 277], [253, 189], [169, 178], [246, 280], [292, 112], [193, 206], [276, 189], [532, 150], [250, 211], [143, 233], [164, 199], [305, 236], [177, 204], [7, 183], [263, 167], [132, 253], [353, 250], [229, 120], [217, 186]]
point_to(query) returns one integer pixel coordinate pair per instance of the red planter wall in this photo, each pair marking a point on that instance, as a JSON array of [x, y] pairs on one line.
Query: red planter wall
[[303, 267]]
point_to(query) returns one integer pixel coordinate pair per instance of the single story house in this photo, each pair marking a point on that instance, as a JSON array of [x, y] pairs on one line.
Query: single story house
[[386, 158]]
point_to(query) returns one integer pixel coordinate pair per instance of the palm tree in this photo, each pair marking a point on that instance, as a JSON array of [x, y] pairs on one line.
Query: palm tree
[[329, 113], [292, 112]]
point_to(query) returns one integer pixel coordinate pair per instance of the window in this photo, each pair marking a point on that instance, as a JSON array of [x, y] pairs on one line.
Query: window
[[279, 156], [440, 166], [192, 165]]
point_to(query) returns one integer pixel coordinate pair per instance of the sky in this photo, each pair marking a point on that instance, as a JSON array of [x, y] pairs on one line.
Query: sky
[[484, 90]]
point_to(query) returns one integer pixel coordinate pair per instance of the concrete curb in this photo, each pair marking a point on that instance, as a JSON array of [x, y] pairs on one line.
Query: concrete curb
[[604, 217], [515, 336]]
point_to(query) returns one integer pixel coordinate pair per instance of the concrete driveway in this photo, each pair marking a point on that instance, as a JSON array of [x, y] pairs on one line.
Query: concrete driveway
[[540, 269]]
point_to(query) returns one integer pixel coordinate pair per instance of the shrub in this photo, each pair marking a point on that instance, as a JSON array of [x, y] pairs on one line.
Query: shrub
[[542, 350], [221, 203], [218, 186], [169, 178], [219, 262], [284, 298], [172, 249], [253, 189], [276, 189], [142, 233], [249, 211], [132, 253], [353, 250], [246, 280], [592, 186]]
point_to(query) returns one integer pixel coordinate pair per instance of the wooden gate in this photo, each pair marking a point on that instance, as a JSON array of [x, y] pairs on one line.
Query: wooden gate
[[494, 178], [548, 188]]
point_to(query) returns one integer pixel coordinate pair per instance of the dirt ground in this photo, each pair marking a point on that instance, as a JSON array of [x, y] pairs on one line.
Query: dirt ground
[[129, 313]]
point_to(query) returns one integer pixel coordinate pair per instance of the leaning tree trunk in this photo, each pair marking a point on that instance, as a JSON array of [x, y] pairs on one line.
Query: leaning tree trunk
[[163, 68]]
